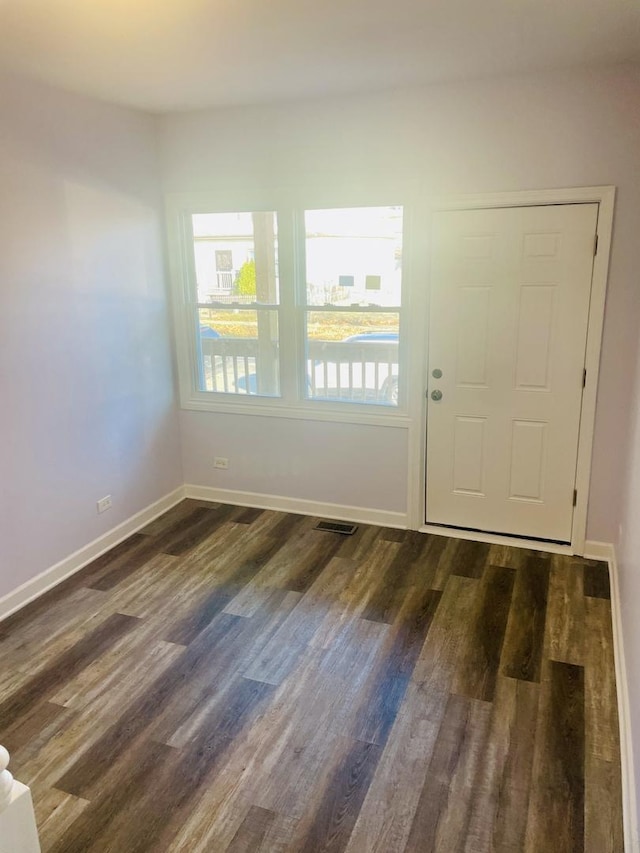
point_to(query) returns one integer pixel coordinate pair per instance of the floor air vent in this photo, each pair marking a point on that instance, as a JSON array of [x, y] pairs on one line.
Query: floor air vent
[[337, 527]]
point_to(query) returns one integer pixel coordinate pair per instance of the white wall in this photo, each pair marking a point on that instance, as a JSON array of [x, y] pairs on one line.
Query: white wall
[[311, 460], [87, 403], [534, 132], [628, 552]]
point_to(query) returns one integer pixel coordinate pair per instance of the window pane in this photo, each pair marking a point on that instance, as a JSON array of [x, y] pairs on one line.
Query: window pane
[[352, 357], [238, 351], [236, 257], [354, 256]]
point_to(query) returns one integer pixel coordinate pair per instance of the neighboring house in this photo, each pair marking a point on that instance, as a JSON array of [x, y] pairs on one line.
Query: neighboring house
[[219, 258]]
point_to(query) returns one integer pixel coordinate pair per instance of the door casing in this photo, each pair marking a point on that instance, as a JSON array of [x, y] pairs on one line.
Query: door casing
[[604, 196]]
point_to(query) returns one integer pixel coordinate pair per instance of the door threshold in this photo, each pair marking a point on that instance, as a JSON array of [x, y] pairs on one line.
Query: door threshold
[[497, 539]]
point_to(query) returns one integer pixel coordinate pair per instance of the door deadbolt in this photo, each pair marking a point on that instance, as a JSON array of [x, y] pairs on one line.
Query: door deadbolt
[[437, 373]]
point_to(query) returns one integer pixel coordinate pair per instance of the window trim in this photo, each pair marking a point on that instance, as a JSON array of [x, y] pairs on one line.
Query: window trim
[[291, 309]]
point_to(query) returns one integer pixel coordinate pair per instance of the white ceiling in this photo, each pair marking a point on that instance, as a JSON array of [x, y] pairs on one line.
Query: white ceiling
[[162, 55]]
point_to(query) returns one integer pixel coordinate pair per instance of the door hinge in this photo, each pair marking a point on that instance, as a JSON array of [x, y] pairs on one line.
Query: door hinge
[[595, 245], [584, 377], [575, 497]]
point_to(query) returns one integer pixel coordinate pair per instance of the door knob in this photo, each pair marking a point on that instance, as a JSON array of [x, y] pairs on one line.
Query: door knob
[[436, 395]]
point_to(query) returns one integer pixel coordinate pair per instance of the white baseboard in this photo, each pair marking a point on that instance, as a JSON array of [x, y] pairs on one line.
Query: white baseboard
[[342, 512], [605, 551], [52, 576]]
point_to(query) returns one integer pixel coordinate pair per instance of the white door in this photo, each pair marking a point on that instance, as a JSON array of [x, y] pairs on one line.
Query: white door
[[509, 310]]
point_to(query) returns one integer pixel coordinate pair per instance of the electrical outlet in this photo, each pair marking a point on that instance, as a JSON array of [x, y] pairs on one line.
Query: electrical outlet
[[105, 503], [220, 462]]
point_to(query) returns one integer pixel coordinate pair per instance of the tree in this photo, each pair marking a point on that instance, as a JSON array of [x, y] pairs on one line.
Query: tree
[[245, 283]]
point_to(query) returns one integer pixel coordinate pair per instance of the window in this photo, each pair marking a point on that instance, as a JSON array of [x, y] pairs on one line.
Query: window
[[353, 300], [237, 341], [323, 340]]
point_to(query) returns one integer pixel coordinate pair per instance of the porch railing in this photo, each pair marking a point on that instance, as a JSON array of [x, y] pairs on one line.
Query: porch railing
[[357, 371]]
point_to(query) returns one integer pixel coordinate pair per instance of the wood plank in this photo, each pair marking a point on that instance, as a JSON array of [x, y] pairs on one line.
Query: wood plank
[[499, 813], [358, 546], [115, 673], [556, 808], [524, 639], [400, 653], [385, 818], [470, 558], [387, 814], [176, 514], [393, 534], [247, 515], [444, 654], [51, 616], [444, 808], [596, 579], [39, 721], [601, 702], [337, 812], [108, 574], [252, 831], [564, 640], [94, 822], [477, 676], [188, 532], [603, 828], [461, 558], [513, 558], [413, 565]]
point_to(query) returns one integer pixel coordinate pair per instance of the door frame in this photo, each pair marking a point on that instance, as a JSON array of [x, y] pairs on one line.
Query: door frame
[[604, 196]]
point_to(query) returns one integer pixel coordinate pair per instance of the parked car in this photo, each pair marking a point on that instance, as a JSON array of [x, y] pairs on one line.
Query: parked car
[[208, 332]]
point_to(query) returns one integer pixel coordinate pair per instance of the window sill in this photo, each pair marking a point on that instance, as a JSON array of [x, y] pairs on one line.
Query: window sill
[[313, 412]]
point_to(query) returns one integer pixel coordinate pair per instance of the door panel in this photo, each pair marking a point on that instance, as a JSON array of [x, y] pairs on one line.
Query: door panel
[[468, 453], [510, 297]]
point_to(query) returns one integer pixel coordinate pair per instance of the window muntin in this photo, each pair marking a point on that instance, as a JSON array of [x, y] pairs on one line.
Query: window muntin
[[238, 295]]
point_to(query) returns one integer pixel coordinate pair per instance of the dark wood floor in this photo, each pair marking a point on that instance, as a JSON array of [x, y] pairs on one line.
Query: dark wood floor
[[233, 680]]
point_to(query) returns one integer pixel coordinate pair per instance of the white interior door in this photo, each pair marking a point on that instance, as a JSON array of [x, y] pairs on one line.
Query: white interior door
[[510, 294]]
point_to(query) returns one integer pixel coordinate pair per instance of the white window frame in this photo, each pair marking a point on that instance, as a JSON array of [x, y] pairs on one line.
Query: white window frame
[[292, 308]]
